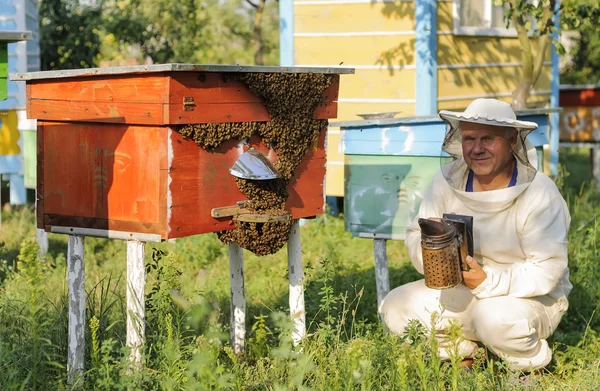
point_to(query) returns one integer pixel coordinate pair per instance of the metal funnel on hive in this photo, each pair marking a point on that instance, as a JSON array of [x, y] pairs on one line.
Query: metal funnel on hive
[[253, 164]]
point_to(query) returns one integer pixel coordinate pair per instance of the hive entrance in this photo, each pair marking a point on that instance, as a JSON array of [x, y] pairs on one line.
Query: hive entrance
[[291, 100]]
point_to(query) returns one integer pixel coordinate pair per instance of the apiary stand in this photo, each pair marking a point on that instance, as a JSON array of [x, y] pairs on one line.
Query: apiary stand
[[126, 172], [296, 276], [238, 298], [382, 279], [76, 282]]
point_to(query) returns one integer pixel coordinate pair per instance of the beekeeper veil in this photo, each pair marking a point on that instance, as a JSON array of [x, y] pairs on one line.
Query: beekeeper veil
[[489, 112]]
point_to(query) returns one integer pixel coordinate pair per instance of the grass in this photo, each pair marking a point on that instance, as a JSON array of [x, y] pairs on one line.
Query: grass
[[188, 315]]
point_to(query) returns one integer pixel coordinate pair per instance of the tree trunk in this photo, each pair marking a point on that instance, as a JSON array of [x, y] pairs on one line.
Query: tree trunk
[[257, 40], [532, 64], [520, 95]]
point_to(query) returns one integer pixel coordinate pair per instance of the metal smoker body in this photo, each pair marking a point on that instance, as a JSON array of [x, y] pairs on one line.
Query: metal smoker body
[[445, 246]]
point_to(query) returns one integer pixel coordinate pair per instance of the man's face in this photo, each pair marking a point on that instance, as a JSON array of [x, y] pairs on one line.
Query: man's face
[[487, 149]]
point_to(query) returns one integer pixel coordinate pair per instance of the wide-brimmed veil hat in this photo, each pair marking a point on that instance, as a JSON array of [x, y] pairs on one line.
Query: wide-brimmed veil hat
[[487, 112]]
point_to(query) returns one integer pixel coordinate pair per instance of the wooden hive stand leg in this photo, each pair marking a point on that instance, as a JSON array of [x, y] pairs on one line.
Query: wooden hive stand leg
[[238, 298], [76, 281], [595, 154], [41, 236], [382, 280], [296, 276], [136, 308]]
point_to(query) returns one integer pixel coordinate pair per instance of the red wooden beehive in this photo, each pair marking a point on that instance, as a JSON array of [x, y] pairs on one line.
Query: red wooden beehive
[[111, 164]]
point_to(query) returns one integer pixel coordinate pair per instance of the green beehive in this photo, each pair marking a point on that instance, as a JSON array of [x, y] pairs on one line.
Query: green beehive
[[7, 37]]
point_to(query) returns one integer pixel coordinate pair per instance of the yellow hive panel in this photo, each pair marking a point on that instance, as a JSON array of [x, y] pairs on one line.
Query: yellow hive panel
[[334, 152], [379, 83], [483, 81], [9, 134], [334, 181], [328, 18], [478, 50]]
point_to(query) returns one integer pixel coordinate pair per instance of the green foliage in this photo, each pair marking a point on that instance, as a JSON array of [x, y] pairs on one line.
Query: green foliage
[[346, 347], [585, 57], [539, 19], [68, 34], [75, 35], [191, 31]]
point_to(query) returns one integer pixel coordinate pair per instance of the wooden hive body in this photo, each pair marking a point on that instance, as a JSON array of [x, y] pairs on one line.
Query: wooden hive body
[[111, 162]]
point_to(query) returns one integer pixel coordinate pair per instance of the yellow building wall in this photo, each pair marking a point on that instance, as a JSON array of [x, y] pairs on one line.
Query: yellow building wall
[[377, 39]]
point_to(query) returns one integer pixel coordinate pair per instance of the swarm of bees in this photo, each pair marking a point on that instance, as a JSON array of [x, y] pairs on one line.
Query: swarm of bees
[[291, 100]]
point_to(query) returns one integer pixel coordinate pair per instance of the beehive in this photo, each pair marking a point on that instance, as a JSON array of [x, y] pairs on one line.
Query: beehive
[[144, 152]]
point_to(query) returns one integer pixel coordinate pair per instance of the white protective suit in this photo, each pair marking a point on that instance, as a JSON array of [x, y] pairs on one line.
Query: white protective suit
[[520, 238]]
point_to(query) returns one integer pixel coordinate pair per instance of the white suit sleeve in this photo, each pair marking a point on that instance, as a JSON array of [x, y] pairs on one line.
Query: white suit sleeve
[[544, 241], [431, 206]]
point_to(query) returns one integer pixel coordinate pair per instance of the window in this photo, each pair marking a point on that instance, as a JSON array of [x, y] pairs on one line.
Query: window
[[480, 17]]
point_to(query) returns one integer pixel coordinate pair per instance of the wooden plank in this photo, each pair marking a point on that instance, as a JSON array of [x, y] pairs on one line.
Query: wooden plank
[[149, 88], [238, 299], [136, 304], [61, 110], [207, 87], [367, 16], [306, 193], [333, 50], [379, 83], [334, 181], [330, 108], [445, 16], [138, 99], [104, 171], [163, 184], [482, 81], [454, 49], [39, 195], [260, 218], [152, 114], [77, 304], [200, 181], [296, 278], [417, 139], [580, 123], [175, 114], [102, 224], [211, 100], [583, 97], [382, 279]]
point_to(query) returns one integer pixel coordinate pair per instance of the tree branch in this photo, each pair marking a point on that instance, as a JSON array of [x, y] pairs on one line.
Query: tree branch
[[526, 49], [543, 42], [252, 4]]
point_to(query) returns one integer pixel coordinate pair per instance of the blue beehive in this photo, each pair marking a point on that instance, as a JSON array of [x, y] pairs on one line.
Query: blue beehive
[[390, 163]]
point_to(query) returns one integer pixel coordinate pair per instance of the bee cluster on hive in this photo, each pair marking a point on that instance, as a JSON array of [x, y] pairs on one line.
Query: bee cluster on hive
[[291, 100]]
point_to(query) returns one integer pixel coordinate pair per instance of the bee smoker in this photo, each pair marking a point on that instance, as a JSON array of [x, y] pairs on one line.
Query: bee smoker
[[445, 245]]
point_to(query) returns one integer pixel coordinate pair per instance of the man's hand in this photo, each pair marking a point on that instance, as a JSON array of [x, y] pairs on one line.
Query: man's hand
[[474, 277]]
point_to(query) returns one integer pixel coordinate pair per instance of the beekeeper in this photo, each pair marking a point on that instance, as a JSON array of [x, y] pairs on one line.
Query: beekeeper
[[515, 293]]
